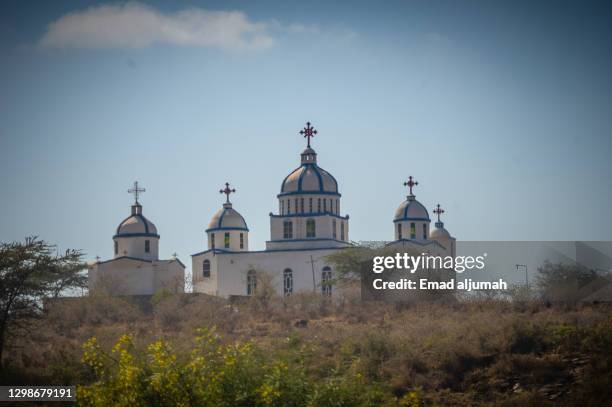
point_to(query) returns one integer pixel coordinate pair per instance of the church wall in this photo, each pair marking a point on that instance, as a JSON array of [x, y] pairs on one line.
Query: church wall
[[200, 283], [168, 276], [233, 269], [135, 247]]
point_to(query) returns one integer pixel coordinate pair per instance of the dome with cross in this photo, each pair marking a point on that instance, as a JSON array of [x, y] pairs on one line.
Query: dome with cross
[[439, 232], [136, 236], [411, 209], [136, 224], [227, 217], [309, 178]]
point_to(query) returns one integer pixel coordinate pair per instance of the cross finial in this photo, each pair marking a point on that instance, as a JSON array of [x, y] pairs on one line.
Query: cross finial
[[136, 191], [175, 255], [410, 184], [227, 191], [308, 132], [438, 211], [97, 259]]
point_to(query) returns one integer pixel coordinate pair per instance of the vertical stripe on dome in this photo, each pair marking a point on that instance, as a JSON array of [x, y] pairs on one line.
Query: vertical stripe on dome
[[144, 221], [316, 170], [221, 217], [305, 168]]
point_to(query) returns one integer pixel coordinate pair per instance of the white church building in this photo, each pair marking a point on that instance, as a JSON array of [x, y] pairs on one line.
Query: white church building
[[136, 268], [307, 227]]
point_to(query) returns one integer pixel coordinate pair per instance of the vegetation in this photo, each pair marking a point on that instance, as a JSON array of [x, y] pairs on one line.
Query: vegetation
[[310, 350], [29, 273]]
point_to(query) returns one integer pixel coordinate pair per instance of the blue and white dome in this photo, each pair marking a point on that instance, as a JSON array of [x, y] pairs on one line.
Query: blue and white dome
[[227, 218], [136, 225], [411, 210], [309, 178]]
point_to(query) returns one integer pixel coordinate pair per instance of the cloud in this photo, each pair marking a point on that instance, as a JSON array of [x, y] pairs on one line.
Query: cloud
[[135, 25]]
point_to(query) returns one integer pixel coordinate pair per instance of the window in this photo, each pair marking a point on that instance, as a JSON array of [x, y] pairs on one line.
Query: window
[[242, 240], [337, 206], [251, 282], [331, 205], [302, 205], [334, 233], [424, 231], [399, 231], [310, 228], [288, 207], [413, 230], [287, 229], [282, 208], [342, 231], [309, 205], [324, 205], [296, 203], [147, 246], [212, 240], [326, 284], [226, 240], [116, 247], [287, 282], [206, 269], [319, 205]]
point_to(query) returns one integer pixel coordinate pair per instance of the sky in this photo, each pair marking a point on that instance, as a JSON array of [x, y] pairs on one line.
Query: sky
[[502, 111]]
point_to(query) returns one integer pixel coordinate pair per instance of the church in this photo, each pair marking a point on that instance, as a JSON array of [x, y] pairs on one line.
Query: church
[[308, 226]]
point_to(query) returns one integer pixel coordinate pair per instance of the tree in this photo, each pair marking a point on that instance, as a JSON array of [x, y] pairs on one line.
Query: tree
[[564, 282], [31, 271]]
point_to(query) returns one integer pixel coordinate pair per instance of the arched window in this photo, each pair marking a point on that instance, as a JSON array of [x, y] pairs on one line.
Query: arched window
[[116, 247], [226, 241], [287, 229], [310, 228], [326, 283], [309, 205], [342, 231], [287, 282], [334, 227], [301, 205], [331, 205], [288, 207], [424, 231], [319, 205], [242, 240], [206, 268], [251, 282], [337, 206], [324, 205], [147, 246], [399, 231], [413, 230]]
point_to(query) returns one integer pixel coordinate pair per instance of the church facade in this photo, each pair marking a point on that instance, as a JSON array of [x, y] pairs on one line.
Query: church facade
[[307, 227]]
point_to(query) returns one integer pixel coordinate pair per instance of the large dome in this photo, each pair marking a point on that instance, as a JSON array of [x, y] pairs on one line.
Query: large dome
[[309, 178], [227, 218], [411, 209], [136, 225]]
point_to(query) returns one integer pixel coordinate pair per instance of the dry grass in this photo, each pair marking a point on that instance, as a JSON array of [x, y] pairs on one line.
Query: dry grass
[[479, 352]]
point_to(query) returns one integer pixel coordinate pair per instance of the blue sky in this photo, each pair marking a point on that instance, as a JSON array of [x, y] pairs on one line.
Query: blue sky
[[501, 110]]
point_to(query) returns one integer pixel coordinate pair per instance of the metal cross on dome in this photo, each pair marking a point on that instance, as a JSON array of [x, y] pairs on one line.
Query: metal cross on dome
[[308, 132], [136, 191], [410, 183], [227, 191], [438, 211]]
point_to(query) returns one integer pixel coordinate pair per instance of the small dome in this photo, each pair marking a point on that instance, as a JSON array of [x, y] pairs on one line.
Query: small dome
[[309, 177], [411, 209], [136, 225], [439, 233], [227, 218]]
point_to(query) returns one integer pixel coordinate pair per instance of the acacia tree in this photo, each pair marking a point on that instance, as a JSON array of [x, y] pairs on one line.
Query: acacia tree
[[31, 271]]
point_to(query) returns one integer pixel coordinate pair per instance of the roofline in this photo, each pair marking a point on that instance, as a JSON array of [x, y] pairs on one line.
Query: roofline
[[136, 235]]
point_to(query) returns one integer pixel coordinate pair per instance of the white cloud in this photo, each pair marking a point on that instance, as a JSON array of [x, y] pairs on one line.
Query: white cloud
[[135, 25]]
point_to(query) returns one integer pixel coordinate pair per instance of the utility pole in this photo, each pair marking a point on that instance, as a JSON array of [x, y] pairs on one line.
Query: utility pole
[[518, 266], [314, 285]]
